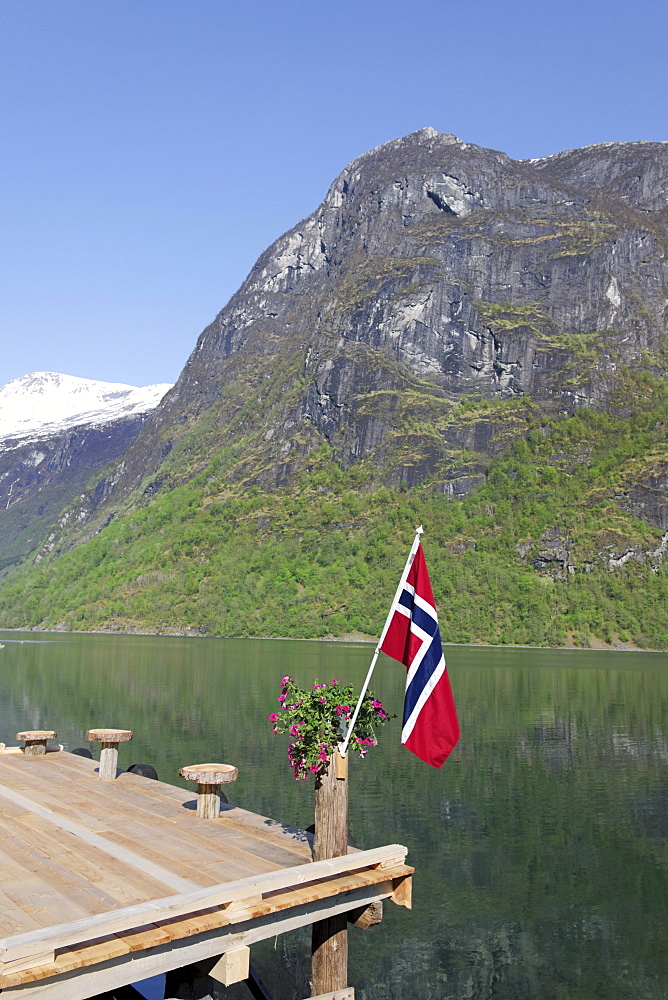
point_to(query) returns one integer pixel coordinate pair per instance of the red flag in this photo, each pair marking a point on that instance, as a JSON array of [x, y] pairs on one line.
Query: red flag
[[430, 726]]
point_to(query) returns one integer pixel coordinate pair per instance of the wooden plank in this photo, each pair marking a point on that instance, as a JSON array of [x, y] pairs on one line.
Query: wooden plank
[[207, 876], [42, 901], [265, 828], [83, 796], [37, 941], [214, 920], [80, 984], [86, 867], [129, 857], [169, 845], [194, 839], [98, 950], [195, 923], [148, 936], [253, 840], [14, 919], [245, 822]]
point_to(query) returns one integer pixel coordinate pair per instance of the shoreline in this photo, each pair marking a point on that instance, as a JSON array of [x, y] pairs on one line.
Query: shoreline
[[599, 648]]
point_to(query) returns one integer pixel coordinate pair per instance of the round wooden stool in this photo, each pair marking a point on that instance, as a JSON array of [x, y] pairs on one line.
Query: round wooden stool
[[109, 738], [35, 741], [209, 778]]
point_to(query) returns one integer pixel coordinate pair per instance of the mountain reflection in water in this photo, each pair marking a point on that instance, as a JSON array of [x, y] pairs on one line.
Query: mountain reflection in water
[[540, 846]]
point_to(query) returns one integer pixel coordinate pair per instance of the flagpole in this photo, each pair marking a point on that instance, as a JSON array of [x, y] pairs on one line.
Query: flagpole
[[343, 747]]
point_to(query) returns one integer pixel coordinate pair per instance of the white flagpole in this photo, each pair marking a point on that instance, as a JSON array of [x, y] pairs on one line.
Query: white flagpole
[[343, 747]]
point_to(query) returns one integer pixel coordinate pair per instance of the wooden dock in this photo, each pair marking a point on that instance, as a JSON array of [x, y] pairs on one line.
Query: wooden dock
[[105, 883]]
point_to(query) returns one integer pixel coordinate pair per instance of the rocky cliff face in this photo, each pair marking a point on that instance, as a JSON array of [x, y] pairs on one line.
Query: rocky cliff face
[[39, 477], [433, 271]]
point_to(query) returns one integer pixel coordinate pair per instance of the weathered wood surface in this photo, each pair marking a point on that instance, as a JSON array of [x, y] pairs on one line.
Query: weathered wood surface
[[109, 738], [329, 938], [331, 812], [109, 735], [35, 741], [89, 871], [209, 778], [209, 774], [106, 973]]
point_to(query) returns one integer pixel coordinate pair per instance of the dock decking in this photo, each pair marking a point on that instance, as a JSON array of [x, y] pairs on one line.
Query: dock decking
[[107, 882]]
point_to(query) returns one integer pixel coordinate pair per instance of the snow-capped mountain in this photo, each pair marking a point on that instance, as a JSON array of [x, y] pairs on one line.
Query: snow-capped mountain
[[43, 404], [56, 431]]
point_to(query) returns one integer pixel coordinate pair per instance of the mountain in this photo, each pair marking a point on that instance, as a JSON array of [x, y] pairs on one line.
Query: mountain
[[56, 431], [45, 403], [432, 271], [452, 332]]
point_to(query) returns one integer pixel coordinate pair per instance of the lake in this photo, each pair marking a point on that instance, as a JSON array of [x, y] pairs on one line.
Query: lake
[[540, 846]]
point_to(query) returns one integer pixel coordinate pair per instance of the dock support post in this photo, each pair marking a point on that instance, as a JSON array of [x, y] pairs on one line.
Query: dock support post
[[329, 942]]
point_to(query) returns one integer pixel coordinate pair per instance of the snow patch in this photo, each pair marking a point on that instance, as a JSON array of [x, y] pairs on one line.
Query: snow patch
[[45, 403]]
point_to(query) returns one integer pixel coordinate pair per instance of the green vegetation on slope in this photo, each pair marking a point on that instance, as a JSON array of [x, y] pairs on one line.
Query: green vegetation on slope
[[526, 558]]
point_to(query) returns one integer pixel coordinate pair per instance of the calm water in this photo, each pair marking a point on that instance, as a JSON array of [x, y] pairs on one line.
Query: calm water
[[540, 847]]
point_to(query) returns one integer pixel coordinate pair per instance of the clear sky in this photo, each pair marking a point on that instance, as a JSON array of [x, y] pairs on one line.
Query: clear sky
[[151, 149]]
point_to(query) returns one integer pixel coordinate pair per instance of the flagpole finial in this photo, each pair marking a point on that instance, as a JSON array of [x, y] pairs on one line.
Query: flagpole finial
[[419, 531]]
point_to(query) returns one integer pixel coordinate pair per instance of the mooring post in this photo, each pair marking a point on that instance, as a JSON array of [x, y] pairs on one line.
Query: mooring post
[[329, 941], [209, 778], [35, 741], [109, 738]]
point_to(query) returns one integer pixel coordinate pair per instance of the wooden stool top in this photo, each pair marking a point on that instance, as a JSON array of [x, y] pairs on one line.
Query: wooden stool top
[[209, 774], [36, 734], [108, 735]]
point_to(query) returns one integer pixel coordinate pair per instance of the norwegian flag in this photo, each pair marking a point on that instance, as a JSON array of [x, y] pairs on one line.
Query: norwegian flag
[[430, 725]]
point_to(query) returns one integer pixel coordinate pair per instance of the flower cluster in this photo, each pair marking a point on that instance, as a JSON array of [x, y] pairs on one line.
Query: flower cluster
[[317, 718]]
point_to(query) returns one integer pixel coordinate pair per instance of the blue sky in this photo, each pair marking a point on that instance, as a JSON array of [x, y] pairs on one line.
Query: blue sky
[[151, 149]]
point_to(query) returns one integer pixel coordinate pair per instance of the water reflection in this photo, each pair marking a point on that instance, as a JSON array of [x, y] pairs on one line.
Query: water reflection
[[540, 846]]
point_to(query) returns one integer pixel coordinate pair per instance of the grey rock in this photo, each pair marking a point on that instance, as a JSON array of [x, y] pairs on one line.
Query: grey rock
[[39, 477]]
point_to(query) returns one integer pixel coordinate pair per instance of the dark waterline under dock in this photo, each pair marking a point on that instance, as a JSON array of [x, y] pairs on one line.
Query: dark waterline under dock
[[108, 882]]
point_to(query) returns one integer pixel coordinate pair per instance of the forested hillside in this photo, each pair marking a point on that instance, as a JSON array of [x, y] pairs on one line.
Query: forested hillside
[[550, 549]]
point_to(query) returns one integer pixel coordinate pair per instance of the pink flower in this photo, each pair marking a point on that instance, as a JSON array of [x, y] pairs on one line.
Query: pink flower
[[284, 680], [314, 768], [273, 717], [281, 697], [323, 700], [377, 704]]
